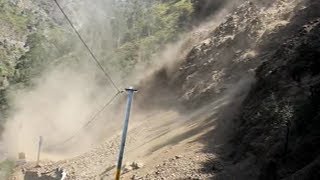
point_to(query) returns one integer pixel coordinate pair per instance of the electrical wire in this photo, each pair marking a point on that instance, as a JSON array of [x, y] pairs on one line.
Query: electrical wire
[[92, 119], [87, 47]]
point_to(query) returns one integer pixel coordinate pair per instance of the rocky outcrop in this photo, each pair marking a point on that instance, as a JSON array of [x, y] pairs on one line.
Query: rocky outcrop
[[231, 52], [279, 125], [277, 135]]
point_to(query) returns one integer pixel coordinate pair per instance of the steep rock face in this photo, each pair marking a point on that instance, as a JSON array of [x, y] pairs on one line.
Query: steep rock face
[[277, 134], [231, 52], [204, 8], [279, 125]]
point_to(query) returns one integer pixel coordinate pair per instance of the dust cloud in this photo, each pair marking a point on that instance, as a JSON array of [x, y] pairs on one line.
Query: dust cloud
[[61, 103], [66, 97]]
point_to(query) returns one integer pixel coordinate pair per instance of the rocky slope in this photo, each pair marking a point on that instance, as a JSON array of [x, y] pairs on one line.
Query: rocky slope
[[278, 121], [229, 53], [279, 124]]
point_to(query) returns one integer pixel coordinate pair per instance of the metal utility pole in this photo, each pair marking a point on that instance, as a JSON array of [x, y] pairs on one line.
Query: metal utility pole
[[39, 151], [130, 92]]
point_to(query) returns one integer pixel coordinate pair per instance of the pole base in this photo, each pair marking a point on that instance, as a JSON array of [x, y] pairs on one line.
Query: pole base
[[118, 174]]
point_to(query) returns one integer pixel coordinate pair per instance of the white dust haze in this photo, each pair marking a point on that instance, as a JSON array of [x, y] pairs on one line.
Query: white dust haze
[[66, 97]]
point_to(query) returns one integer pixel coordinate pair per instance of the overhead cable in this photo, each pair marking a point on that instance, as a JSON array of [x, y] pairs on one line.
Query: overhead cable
[[87, 47], [92, 119]]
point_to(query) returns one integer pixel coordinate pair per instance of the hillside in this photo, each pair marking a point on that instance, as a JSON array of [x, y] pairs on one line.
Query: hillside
[[227, 90]]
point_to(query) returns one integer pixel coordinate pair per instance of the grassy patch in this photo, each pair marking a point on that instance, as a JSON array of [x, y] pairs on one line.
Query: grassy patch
[[13, 17], [6, 169]]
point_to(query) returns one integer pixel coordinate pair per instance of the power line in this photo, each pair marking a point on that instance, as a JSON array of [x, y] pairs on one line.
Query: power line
[[92, 119], [87, 47]]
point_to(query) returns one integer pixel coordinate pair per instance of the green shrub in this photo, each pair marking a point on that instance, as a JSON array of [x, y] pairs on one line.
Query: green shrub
[[6, 169]]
